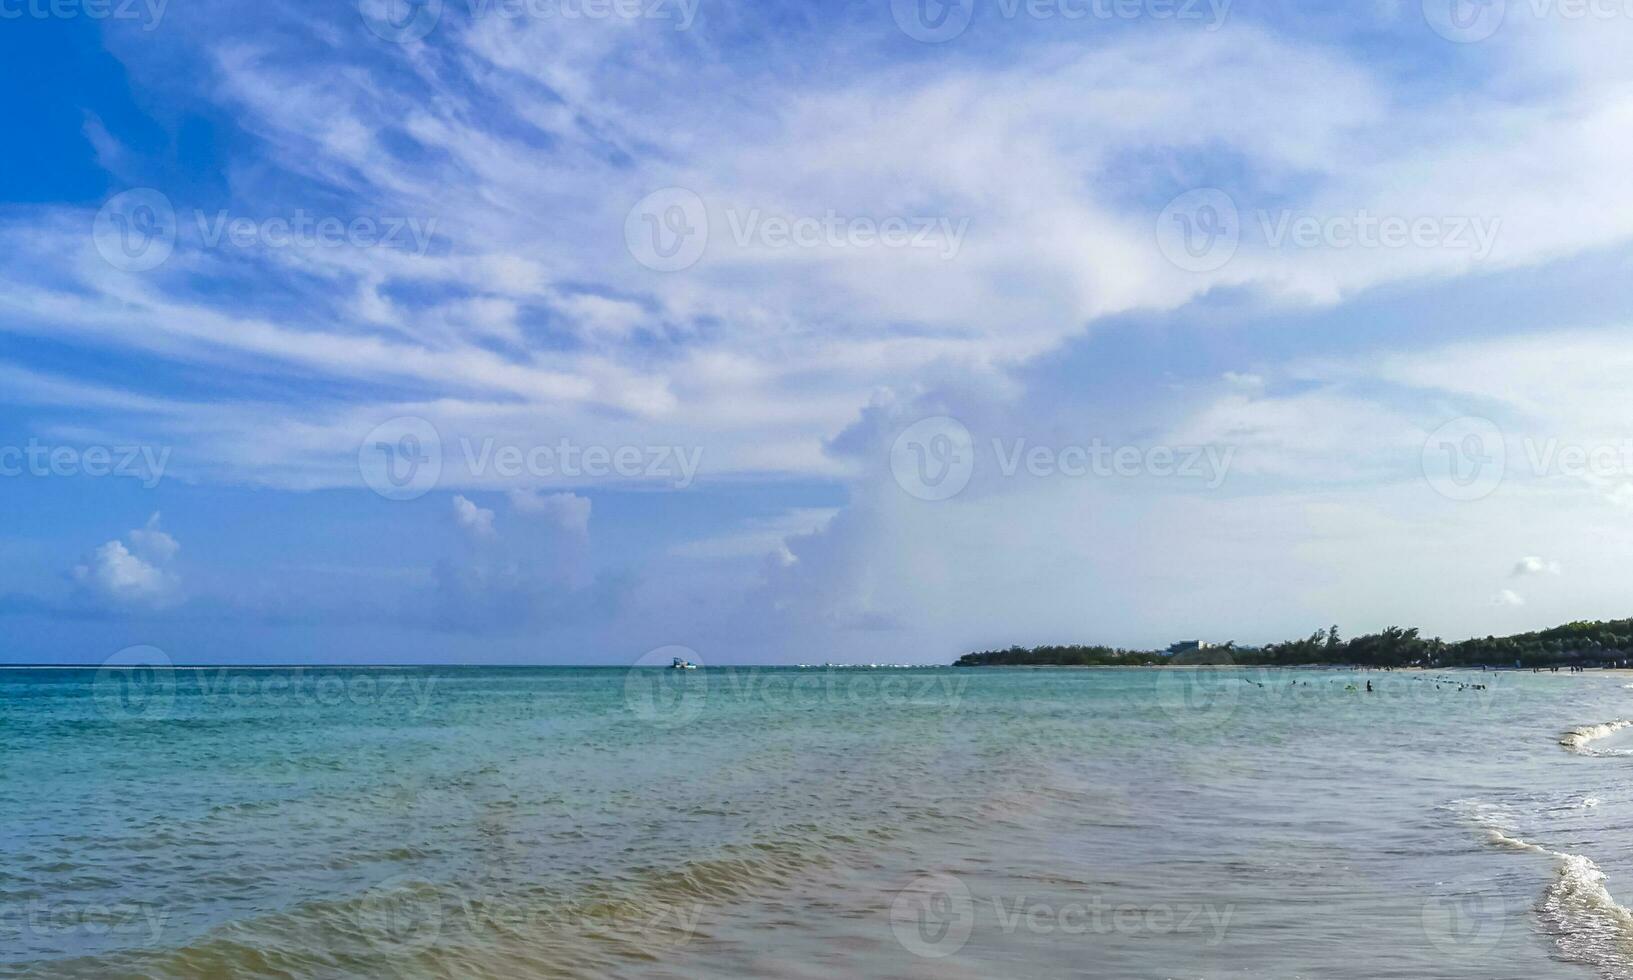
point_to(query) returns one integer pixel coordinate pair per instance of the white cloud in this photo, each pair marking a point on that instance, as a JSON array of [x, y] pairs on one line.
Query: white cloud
[[525, 577], [1508, 597], [568, 511], [122, 575], [759, 537], [531, 320], [772, 346], [152, 543], [477, 521], [1532, 565]]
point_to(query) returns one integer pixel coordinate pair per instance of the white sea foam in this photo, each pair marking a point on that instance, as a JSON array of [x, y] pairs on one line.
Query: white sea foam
[[1587, 923], [1584, 803], [1579, 740]]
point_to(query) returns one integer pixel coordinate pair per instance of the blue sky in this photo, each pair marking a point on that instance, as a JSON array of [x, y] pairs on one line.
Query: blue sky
[[564, 330]]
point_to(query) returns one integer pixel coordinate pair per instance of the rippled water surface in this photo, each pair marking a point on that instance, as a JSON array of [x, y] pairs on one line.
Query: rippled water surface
[[815, 823]]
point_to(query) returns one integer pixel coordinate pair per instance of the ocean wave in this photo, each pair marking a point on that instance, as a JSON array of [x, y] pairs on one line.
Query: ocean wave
[[1579, 739], [497, 925], [1586, 922]]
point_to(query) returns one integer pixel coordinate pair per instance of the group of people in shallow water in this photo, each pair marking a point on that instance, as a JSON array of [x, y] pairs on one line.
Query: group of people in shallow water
[[1461, 686], [1438, 683], [1571, 668]]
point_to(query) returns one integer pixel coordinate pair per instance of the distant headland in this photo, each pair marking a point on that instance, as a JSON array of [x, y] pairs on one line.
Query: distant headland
[[1597, 644]]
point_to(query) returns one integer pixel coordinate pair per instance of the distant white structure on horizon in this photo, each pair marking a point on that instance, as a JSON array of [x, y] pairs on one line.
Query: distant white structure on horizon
[[1191, 646]]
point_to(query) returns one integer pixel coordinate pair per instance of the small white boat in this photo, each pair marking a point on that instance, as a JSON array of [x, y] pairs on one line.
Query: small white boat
[[681, 663]]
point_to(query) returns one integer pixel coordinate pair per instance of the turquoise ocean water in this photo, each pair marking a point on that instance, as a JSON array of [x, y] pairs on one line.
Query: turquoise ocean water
[[564, 822]]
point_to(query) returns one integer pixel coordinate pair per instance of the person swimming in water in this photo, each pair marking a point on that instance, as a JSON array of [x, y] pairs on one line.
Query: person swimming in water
[[1369, 687]]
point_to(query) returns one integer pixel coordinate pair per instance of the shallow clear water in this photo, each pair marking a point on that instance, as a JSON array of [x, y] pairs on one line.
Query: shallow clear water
[[754, 822]]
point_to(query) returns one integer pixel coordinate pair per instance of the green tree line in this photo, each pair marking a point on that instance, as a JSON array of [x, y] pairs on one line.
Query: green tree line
[[1587, 644]]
